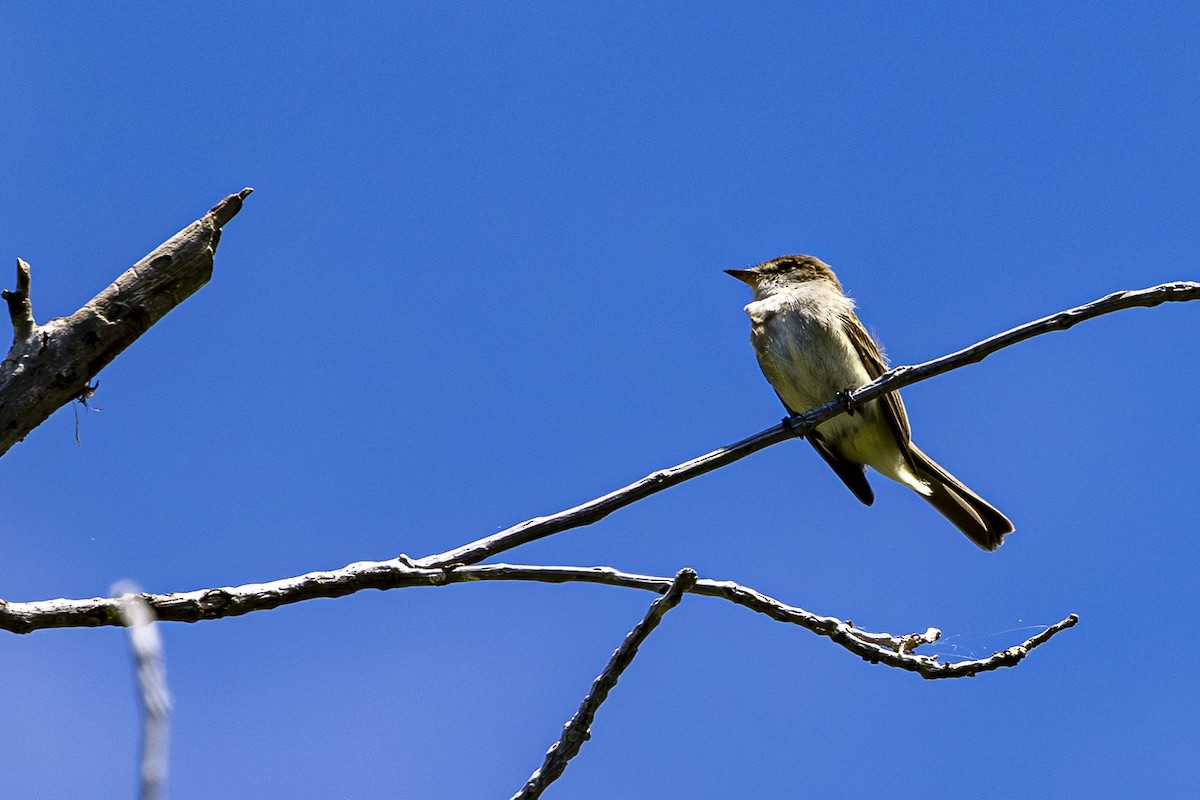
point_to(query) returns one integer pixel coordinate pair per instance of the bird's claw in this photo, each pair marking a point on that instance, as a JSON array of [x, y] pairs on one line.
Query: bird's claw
[[847, 402]]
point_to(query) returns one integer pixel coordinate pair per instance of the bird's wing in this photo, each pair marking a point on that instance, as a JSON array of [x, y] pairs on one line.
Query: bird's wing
[[853, 475], [890, 404]]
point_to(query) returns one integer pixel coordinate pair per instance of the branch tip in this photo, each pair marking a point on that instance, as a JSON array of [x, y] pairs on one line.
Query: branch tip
[[228, 208], [20, 306], [23, 276]]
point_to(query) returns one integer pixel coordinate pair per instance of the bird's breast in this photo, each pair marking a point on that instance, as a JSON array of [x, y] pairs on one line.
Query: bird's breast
[[803, 349]]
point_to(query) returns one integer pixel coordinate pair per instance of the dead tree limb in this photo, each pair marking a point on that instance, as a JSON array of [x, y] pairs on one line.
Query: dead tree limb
[[50, 365], [401, 573]]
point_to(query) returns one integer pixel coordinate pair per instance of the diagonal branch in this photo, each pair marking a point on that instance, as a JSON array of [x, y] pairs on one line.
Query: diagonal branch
[[400, 573], [50, 365], [896, 378], [578, 728]]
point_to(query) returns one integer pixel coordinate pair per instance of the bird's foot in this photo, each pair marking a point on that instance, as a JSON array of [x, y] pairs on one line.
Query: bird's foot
[[790, 425], [847, 402]]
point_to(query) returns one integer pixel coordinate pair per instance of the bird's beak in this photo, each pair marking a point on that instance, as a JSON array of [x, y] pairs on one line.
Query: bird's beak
[[746, 276]]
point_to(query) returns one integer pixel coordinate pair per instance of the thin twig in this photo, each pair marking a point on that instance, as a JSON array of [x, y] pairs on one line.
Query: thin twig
[[896, 378], [205, 604], [578, 728], [146, 645]]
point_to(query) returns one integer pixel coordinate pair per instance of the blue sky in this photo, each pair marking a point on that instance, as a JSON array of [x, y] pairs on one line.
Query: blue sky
[[481, 279]]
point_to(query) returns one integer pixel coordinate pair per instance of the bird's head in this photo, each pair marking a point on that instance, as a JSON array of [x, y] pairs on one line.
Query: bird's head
[[785, 272]]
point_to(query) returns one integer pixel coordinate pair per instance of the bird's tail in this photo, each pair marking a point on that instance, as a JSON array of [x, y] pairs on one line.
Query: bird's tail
[[970, 513]]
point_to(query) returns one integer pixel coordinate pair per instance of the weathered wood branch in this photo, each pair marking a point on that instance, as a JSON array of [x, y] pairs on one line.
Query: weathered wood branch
[[401, 573], [20, 307], [50, 365]]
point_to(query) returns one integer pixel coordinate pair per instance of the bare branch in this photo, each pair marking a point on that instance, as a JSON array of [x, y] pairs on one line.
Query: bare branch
[[20, 307], [578, 728], [50, 365], [895, 378], [137, 616], [399, 573]]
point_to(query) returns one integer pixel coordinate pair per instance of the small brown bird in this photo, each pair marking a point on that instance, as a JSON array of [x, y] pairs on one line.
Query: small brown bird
[[812, 347]]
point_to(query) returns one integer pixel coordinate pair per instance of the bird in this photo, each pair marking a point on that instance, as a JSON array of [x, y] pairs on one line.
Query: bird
[[812, 348]]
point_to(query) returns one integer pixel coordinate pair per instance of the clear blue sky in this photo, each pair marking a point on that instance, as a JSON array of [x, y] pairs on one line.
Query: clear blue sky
[[481, 280]]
